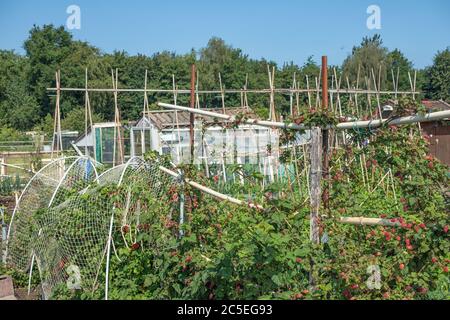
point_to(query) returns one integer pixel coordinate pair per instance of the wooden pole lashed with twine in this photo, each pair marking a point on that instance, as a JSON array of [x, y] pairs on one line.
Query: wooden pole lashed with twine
[[319, 161], [57, 137], [191, 115], [319, 167]]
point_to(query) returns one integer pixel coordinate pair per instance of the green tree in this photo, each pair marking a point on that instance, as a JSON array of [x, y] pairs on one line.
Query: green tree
[[46, 47], [11, 134], [24, 100], [45, 126], [369, 56], [12, 69], [397, 62], [218, 57], [75, 120], [438, 86], [18, 109]]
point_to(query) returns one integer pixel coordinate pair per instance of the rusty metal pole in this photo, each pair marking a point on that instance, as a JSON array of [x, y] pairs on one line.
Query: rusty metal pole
[[191, 115]]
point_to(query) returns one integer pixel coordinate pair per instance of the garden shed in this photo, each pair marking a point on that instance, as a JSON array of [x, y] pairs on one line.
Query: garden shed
[[438, 131]]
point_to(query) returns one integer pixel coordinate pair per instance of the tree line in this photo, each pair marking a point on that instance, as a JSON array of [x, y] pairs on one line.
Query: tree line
[[25, 104]]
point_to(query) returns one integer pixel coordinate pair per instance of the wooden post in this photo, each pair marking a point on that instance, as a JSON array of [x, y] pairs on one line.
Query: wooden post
[[191, 115], [309, 93], [324, 82], [87, 115], [57, 137], [245, 92], [3, 166], [318, 142], [145, 112], [182, 202], [315, 178], [222, 94], [272, 115], [325, 133]]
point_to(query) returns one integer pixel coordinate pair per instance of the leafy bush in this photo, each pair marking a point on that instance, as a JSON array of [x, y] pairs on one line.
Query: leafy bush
[[234, 252]]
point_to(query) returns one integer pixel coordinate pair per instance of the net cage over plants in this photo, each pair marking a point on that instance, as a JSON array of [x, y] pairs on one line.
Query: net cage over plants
[[62, 219], [48, 187]]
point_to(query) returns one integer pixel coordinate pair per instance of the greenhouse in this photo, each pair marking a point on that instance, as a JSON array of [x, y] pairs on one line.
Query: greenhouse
[[215, 142], [100, 143]]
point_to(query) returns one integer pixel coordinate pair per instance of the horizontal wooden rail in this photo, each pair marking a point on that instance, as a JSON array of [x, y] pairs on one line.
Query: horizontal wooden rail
[[210, 191], [369, 221], [235, 91]]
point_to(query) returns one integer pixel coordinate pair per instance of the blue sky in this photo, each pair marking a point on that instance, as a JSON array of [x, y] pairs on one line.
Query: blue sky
[[284, 30]]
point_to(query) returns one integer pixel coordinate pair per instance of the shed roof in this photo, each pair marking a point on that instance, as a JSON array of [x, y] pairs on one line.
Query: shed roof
[[436, 105], [168, 118]]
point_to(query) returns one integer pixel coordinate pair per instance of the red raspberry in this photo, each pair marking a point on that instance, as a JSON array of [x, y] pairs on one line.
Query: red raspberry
[[422, 290], [347, 294]]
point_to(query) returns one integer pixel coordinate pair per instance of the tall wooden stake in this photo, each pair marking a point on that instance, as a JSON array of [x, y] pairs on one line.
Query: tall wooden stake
[[319, 141], [88, 114], [315, 177], [325, 133], [191, 115], [57, 137], [324, 82]]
